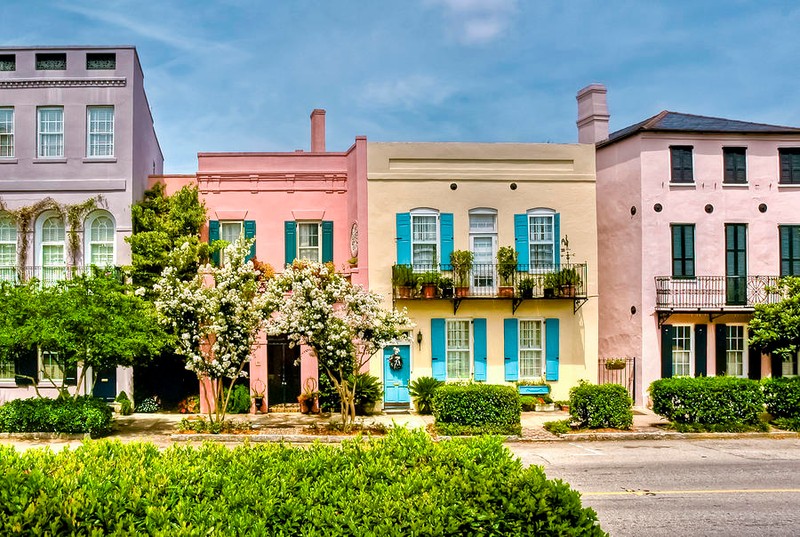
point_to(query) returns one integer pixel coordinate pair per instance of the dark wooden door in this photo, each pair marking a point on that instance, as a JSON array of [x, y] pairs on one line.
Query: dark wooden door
[[283, 372]]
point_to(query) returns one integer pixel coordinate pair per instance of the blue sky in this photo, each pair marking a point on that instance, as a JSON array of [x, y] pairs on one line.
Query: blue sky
[[244, 75]]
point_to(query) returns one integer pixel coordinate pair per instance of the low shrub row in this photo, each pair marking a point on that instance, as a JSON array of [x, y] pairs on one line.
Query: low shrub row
[[600, 406], [476, 408], [63, 415], [404, 484], [782, 397]]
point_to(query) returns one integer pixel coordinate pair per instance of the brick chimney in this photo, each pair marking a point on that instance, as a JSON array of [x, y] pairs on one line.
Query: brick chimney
[[318, 131], [592, 114]]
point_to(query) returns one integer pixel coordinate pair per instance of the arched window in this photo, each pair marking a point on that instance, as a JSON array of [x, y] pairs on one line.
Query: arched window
[[52, 248], [8, 247], [101, 236]]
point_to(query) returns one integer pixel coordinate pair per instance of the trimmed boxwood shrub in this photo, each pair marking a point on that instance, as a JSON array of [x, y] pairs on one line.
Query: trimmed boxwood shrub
[[716, 403], [782, 397], [600, 405], [63, 415], [476, 409], [403, 484]]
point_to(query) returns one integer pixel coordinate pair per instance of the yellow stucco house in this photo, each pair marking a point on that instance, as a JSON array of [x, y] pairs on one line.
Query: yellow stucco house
[[526, 319]]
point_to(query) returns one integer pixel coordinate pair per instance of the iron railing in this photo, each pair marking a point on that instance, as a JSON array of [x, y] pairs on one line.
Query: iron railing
[[618, 371], [486, 280], [51, 275], [715, 292]]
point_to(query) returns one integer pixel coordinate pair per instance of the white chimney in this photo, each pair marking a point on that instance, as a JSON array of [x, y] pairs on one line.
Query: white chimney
[[318, 130], [592, 114]]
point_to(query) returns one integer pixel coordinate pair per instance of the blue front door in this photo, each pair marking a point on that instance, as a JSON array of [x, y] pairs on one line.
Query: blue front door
[[395, 381]]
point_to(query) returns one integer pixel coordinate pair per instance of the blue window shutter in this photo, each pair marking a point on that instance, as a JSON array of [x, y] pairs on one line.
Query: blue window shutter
[[557, 238], [479, 337], [403, 238], [438, 350], [446, 239], [511, 349], [327, 241], [213, 235], [551, 351], [250, 233], [521, 244], [290, 240]]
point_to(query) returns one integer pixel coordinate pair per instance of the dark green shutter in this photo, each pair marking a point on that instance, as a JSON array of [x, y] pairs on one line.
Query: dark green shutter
[[700, 350], [26, 364], [213, 235], [511, 349], [722, 348], [290, 241], [70, 373], [789, 250], [327, 241], [403, 229], [667, 335], [438, 349], [754, 363], [479, 341], [250, 233], [551, 348]]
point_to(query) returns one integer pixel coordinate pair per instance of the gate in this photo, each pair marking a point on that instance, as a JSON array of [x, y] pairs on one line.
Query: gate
[[610, 372]]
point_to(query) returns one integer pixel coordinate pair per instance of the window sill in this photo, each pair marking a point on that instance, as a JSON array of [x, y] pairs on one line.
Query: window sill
[[690, 186], [8, 160], [743, 186], [106, 160], [9, 384], [49, 161], [788, 186]]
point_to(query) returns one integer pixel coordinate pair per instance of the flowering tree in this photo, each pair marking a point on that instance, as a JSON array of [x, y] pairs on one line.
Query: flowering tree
[[215, 316], [343, 324]]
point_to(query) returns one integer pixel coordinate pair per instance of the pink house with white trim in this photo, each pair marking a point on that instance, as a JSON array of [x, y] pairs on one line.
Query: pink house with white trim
[[695, 216]]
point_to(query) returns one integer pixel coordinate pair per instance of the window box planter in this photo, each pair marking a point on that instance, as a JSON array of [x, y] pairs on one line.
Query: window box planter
[[539, 389]]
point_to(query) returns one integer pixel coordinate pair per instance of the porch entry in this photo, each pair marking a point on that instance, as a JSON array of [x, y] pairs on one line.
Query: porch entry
[[395, 381], [105, 387], [283, 371]]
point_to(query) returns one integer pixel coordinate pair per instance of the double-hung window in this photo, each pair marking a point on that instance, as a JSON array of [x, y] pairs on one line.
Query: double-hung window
[[735, 160], [424, 240], [6, 132], [8, 248], [682, 250], [735, 350], [681, 164], [790, 165], [51, 367], [101, 241], [541, 240], [52, 249], [100, 130], [531, 349], [50, 132], [790, 250], [308, 241], [458, 349], [682, 351], [229, 231]]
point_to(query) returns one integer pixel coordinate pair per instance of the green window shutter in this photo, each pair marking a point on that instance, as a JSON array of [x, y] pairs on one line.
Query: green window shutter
[[681, 157], [551, 348], [26, 364], [403, 229], [327, 241], [776, 364], [446, 239], [667, 335], [521, 244], [438, 349], [700, 350], [250, 233], [721, 348], [213, 235], [511, 349], [479, 340], [754, 363], [557, 239], [682, 250], [290, 241], [790, 250], [71, 374], [785, 248]]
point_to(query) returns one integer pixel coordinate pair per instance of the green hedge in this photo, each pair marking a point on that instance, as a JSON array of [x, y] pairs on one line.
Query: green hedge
[[64, 415], [601, 406], [782, 397], [724, 403], [476, 408], [403, 484]]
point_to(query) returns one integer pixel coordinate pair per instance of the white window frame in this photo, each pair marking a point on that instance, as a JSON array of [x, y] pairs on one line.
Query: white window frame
[[691, 351], [56, 133], [484, 275], [436, 242], [541, 350], [533, 264], [308, 248], [789, 365], [50, 273], [46, 359], [731, 352], [8, 237], [90, 243], [8, 372], [450, 349], [223, 224], [7, 132], [96, 147]]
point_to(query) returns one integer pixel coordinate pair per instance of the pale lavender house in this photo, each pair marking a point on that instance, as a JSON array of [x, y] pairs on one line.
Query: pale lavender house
[[74, 125], [696, 215]]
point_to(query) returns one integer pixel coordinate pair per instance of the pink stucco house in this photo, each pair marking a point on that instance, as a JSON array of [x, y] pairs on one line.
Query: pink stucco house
[[695, 216], [297, 205]]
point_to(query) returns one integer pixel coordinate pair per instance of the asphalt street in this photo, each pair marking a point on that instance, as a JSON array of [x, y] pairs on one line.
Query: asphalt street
[[737, 487]]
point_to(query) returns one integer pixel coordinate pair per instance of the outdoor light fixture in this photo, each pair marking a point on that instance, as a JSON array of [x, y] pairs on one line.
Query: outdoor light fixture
[[419, 338]]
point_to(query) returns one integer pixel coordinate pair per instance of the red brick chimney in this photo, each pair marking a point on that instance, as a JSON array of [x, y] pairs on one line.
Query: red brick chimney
[[592, 114], [318, 131]]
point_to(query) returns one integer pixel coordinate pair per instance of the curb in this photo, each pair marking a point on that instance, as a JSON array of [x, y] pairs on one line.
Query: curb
[[45, 436], [591, 437], [261, 438]]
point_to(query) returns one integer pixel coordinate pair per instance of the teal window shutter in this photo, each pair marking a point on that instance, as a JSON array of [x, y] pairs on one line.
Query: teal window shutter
[[403, 222], [557, 239], [667, 337], [290, 240], [511, 349], [213, 235], [479, 341], [438, 350], [250, 233], [721, 348], [446, 239], [700, 350], [327, 241], [521, 244], [551, 348]]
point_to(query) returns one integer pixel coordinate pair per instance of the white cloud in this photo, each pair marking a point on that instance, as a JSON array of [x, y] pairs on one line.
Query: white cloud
[[474, 22], [408, 91]]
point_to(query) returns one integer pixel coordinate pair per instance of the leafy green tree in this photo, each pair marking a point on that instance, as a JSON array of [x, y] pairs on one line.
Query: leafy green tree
[[775, 328]]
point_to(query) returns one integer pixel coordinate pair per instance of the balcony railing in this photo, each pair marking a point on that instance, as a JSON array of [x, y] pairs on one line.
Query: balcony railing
[[51, 275], [714, 293], [486, 281]]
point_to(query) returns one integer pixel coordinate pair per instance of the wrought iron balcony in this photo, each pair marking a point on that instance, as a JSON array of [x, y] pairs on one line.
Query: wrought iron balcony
[[714, 293], [51, 275]]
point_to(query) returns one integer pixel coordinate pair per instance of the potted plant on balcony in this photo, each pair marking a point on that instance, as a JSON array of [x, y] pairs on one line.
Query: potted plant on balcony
[[569, 280], [446, 286], [461, 260], [427, 284], [403, 280], [526, 287], [551, 283], [506, 267]]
